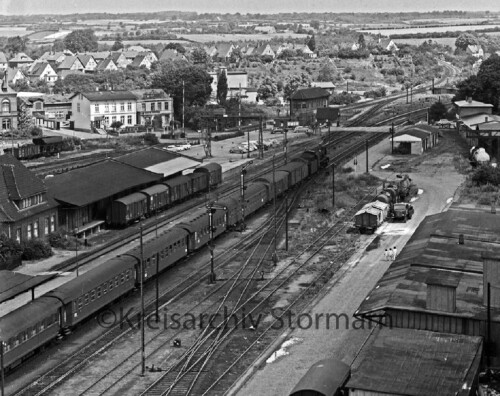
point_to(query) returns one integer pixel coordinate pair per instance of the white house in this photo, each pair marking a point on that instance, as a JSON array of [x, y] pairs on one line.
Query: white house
[[42, 71], [98, 110], [88, 62]]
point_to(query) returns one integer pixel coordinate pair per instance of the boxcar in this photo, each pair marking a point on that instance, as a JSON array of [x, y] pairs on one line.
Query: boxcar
[[86, 294], [49, 145], [199, 181], [129, 208], [29, 327], [370, 217], [256, 196], [166, 250], [280, 182], [297, 172], [232, 204], [179, 188], [157, 197], [214, 171], [312, 160], [198, 226]]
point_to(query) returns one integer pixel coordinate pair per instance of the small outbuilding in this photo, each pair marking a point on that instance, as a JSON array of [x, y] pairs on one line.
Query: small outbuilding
[[416, 139]]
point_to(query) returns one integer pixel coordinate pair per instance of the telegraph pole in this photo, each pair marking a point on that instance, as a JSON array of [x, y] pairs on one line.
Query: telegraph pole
[[285, 146], [366, 143], [275, 256], [261, 139], [2, 380], [76, 253], [392, 139], [183, 100], [333, 186], [143, 354]]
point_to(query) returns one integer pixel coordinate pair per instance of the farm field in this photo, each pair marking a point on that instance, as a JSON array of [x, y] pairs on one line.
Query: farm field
[[206, 38], [14, 31], [145, 42], [418, 41], [411, 30]]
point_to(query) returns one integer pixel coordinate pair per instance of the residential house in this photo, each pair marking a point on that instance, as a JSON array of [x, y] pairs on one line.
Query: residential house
[[305, 101], [265, 29], [98, 110], [327, 85], [355, 46], [49, 111], [20, 60], [306, 51], [237, 81], [154, 107], [264, 50], [26, 211], [70, 65], [106, 65], [131, 55], [137, 48], [88, 62], [141, 61], [211, 51], [387, 45], [224, 51], [171, 54], [468, 107], [55, 58], [3, 61], [247, 50], [8, 105], [14, 75], [42, 71], [120, 60], [475, 50], [99, 55]]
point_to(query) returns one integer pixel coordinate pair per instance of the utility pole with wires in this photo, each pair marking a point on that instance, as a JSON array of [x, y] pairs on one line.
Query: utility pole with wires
[[143, 354], [275, 254], [183, 100]]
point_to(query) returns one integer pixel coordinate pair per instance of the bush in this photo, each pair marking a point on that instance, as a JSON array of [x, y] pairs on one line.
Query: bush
[[58, 240], [36, 249], [486, 174], [150, 138]]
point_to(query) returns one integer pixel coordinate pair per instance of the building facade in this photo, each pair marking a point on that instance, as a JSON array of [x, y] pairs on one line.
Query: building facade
[[98, 110], [154, 107], [8, 106]]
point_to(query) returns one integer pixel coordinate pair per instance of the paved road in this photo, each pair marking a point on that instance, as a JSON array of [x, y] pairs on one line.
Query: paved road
[[349, 287]]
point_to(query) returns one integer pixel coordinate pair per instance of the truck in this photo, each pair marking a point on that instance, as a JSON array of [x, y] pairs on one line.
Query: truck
[[402, 211]]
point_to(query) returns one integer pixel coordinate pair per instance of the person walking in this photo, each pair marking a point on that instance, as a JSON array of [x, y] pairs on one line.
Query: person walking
[[386, 255], [394, 253], [389, 254]]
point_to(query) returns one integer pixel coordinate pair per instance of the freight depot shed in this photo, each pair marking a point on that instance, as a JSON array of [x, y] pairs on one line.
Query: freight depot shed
[[85, 194], [440, 279], [416, 139], [160, 161], [416, 363]]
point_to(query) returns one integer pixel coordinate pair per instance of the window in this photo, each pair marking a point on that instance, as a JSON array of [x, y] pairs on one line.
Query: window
[[6, 124], [78, 107], [114, 107], [18, 235], [129, 106], [143, 105], [28, 231], [35, 229], [152, 107], [129, 120], [6, 106], [113, 119], [122, 106], [52, 223], [96, 107], [46, 226], [122, 119], [166, 105], [106, 108]]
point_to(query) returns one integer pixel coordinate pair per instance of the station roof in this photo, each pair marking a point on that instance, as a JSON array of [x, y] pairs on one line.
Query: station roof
[[14, 283], [434, 249], [93, 183], [160, 161], [475, 119], [416, 363]]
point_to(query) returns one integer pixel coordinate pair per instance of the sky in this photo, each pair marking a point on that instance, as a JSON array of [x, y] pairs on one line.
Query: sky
[[23, 7]]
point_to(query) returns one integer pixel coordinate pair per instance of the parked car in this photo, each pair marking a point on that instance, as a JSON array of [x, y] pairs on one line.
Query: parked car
[[277, 130], [301, 129]]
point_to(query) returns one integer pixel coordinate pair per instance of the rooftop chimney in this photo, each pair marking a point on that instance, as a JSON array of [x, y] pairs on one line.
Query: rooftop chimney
[[469, 99], [461, 239], [491, 275], [485, 119]]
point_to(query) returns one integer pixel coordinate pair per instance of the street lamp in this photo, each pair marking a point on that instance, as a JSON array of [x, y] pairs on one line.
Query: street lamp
[[211, 209]]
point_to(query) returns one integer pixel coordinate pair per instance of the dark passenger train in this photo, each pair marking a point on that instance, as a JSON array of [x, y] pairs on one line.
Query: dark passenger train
[[27, 328]]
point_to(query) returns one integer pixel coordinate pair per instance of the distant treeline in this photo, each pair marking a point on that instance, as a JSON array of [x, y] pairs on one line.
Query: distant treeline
[[441, 34]]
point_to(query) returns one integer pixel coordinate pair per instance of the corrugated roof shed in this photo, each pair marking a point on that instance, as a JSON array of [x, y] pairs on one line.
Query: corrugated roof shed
[[434, 246], [416, 363], [93, 183]]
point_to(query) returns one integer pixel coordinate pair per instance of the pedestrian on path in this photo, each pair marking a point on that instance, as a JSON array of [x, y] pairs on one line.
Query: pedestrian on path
[[389, 254], [386, 255], [394, 253]]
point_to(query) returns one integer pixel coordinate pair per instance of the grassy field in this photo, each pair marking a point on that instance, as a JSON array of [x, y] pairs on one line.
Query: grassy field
[[389, 32], [14, 31]]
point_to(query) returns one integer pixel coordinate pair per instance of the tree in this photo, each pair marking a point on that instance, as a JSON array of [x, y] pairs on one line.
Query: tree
[[16, 44], [75, 83], [312, 43], [267, 89], [294, 83], [58, 46], [118, 45], [176, 46], [197, 83], [327, 73], [116, 125], [361, 41], [437, 111], [315, 24], [24, 119], [222, 88], [464, 40], [81, 41], [200, 56]]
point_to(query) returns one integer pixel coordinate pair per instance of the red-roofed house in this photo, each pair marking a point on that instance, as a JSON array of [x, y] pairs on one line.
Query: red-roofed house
[[26, 212]]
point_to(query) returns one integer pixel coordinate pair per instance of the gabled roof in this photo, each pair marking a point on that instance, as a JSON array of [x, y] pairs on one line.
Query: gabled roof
[[85, 58], [148, 93], [103, 65], [471, 103], [107, 95], [38, 68], [138, 60], [50, 56], [17, 182], [224, 50], [117, 55], [68, 62], [171, 54], [21, 57], [93, 183], [99, 55], [310, 93]]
